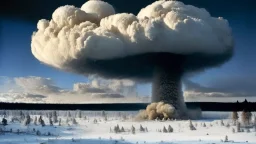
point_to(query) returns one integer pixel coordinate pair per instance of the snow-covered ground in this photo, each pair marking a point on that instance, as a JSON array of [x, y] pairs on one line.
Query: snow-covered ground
[[102, 132]]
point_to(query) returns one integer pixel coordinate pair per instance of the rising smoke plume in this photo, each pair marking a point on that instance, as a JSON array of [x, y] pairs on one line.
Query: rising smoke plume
[[162, 42]]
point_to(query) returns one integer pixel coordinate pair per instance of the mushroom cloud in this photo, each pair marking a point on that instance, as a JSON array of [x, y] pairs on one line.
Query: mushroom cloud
[[165, 40]]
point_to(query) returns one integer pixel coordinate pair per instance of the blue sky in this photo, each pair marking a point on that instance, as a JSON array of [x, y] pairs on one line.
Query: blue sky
[[16, 59]]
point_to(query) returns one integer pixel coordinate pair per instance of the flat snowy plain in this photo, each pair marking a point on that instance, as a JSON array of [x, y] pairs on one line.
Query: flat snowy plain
[[101, 132]]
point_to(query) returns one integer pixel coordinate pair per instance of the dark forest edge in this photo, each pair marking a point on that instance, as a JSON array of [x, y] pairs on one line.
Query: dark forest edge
[[205, 106]]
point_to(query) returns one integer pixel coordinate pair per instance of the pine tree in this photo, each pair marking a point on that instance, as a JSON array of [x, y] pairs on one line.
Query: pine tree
[[221, 123], [4, 121], [244, 117], [50, 121], [170, 129], [40, 119], [235, 116], [228, 125], [27, 120], [133, 130], [191, 126], [22, 116], [74, 122], [69, 114], [141, 128], [248, 130], [122, 129], [67, 120], [79, 114], [238, 127], [55, 117], [226, 139], [248, 117], [59, 121], [103, 114], [164, 130], [35, 121], [233, 130], [116, 129], [254, 121], [38, 133], [42, 123]]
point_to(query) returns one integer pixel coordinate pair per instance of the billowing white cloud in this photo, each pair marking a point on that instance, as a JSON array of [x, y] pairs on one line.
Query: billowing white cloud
[[36, 85], [38, 89], [124, 86], [96, 32], [22, 97]]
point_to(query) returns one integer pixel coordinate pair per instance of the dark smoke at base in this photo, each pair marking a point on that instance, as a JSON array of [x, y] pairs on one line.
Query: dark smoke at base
[[165, 70]]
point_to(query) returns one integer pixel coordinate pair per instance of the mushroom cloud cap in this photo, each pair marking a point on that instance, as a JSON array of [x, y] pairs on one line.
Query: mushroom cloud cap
[[166, 34]]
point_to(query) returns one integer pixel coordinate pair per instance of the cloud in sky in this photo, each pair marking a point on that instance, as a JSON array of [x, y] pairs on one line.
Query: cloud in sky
[[224, 88], [38, 89]]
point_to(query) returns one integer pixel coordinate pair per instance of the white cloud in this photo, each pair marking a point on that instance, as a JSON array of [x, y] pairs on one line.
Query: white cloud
[[37, 85], [95, 32], [38, 89], [221, 89]]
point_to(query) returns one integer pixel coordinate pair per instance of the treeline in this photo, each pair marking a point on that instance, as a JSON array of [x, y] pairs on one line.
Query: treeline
[[205, 106]]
